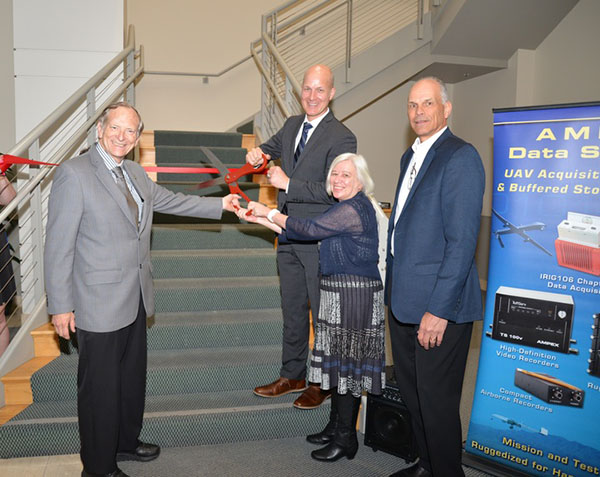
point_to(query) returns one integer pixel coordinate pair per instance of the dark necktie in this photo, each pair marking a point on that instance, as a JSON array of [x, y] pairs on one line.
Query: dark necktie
[[302, 142], [122, 185]]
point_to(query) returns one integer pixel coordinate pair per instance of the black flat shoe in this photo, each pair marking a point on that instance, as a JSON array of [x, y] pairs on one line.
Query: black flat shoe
[[332, 452], [142, 453], [414, 470]]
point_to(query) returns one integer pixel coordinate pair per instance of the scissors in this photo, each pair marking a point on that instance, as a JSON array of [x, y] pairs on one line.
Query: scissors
[[231, 176]]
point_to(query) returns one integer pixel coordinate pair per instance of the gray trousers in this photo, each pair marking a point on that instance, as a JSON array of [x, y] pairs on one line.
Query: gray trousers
[[298, 266]]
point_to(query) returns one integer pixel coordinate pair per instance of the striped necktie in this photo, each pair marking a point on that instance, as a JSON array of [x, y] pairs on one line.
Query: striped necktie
[[302, 142], [122, 185]]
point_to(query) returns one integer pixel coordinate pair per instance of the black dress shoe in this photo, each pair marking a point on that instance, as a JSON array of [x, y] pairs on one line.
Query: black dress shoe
[[116, 473], [333, 451], [414, 470], [142, 453]]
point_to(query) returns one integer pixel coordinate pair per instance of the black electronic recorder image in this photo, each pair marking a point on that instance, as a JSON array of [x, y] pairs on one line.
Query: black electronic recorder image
[[533, 318]]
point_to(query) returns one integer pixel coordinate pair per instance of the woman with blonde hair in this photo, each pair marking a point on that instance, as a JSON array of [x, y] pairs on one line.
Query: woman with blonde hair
[[349, 353]]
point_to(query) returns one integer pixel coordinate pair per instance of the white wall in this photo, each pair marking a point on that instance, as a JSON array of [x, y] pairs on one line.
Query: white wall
[[7, 83], [564, 68], [58, 46], [567, 63], [199, 36]]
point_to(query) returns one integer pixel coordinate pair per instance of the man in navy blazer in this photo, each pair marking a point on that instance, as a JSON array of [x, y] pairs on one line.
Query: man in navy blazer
[[301, 183], [432, 287]]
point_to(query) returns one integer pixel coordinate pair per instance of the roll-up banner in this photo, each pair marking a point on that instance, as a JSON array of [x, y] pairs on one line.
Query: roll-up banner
[[537, 398]]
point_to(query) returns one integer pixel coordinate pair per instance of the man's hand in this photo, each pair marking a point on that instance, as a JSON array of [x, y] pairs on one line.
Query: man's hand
[[64, 322], [431, 330], [278, 178], [231, 202], [254, 156]]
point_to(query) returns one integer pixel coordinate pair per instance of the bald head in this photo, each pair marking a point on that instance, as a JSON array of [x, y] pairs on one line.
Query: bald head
[[317, 91], [323, 71]]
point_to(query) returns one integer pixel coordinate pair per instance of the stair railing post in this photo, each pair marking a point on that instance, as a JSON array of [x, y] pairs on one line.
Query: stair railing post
[[90, 110], [348, 64], [420, 18], [31, 239], [129, 70]]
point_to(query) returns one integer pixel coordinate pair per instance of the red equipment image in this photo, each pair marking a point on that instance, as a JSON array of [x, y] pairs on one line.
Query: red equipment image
[[578, 243]]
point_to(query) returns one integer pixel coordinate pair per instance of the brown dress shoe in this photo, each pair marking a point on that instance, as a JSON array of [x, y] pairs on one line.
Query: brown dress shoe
[[312, 398], [280, 387]]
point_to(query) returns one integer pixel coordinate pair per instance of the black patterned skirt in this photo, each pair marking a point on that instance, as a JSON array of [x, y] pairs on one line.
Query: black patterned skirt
[[349, 349]]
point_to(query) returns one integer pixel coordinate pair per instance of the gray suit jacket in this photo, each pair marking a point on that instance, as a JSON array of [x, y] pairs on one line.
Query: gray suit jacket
[[96, 261], [306, 195]]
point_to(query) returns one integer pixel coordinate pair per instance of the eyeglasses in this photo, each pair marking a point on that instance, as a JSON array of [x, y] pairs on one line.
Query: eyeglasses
[[412, 175]]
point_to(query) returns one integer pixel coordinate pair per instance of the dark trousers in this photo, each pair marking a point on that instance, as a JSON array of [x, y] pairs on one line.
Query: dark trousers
[[111, 389], [431, 384], [298, 267]]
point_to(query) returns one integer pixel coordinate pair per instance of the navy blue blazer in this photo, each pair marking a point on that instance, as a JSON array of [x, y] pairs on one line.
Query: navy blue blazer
[[433, 267]]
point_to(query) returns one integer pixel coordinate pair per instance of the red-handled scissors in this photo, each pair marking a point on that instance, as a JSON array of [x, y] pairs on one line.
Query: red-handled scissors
[[231, 176]]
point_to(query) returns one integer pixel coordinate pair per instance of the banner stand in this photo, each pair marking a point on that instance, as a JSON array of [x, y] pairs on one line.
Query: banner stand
[[537, 396]]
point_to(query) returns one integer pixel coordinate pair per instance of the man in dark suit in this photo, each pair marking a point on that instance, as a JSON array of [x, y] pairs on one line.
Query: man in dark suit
[[306, 145], [99, 282], [432, 286]]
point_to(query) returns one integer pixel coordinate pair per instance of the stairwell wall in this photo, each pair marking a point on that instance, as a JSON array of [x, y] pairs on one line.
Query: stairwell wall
[[198, 36], [7, 80]]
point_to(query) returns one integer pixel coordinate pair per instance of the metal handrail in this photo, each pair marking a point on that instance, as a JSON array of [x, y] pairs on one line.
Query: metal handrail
[[70, 127], [283, 30], [206, 75]]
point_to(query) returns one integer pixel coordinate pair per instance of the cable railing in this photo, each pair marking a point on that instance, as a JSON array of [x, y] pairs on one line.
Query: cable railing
[[58, 137], [302, 33]]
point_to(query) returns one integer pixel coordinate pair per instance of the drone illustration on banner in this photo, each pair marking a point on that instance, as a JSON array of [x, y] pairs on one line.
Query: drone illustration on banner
[[520, 230], [512, 424]]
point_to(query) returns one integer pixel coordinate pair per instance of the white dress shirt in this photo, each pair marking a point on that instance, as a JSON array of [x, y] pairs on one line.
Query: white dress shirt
[[420, 150]]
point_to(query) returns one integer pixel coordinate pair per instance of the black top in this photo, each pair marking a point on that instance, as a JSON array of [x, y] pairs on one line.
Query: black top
[[348, 231]]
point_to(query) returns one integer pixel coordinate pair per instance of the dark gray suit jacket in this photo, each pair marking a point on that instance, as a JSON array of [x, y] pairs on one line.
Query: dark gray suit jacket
[[96, 261], [306, 196]]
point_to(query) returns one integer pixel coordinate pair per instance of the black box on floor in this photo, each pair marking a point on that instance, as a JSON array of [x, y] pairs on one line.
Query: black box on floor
[[388, 426]]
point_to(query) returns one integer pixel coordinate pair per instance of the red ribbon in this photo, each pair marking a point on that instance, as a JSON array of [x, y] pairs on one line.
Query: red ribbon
[[7, 160], [189, 170]]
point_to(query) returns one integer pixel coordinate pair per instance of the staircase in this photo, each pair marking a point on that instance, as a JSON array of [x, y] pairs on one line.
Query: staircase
[[215, 336]]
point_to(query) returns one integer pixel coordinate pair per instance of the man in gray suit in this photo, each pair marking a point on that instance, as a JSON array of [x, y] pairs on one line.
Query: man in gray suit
[[99, 282], [306, 144]]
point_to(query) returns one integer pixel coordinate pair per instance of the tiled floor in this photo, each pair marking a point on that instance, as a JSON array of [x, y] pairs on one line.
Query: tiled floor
[[52, 466]]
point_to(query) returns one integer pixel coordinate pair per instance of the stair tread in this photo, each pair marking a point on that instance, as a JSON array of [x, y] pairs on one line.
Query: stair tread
[[191, 404], [212, 317], [216, 282], [211, 252], [199, 358], [27, 369]]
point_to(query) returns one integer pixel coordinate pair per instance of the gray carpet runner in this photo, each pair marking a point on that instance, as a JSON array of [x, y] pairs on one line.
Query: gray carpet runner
[[215, 336]]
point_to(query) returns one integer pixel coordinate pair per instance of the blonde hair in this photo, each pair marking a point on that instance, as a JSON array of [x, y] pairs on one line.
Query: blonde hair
[[362, 173]]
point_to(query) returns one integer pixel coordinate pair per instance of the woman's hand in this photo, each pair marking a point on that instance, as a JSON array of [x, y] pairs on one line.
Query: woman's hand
[[258, 210]]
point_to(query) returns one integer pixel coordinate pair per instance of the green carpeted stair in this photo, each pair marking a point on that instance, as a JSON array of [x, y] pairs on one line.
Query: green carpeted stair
[[183, 149], [215, 336]]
